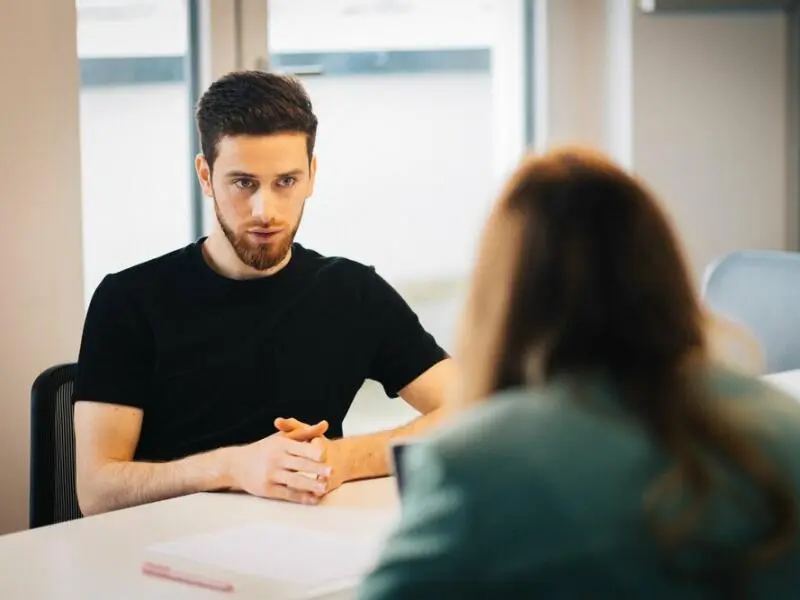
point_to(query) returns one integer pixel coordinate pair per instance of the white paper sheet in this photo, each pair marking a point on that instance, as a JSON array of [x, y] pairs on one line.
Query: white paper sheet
[[291, 553]]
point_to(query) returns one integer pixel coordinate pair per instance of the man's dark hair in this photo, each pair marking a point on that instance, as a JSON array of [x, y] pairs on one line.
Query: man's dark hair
[[253, 103]]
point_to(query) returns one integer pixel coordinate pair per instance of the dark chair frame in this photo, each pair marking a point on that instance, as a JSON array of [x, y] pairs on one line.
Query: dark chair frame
[[46, 492]]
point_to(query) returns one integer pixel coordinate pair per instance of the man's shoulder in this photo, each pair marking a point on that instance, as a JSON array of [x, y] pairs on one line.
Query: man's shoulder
[[338, 266], [151, 274], [518, 413], [169, 263], [352, 281]]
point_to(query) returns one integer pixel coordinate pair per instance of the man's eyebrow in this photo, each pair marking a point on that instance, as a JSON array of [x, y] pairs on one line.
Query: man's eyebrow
[[242, 174], [246, 175], [292, 173]]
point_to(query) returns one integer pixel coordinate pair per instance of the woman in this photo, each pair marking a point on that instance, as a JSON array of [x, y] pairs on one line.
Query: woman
[[613, 458]]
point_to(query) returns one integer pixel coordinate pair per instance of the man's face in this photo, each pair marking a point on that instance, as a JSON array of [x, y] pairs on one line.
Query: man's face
[[259, 186]]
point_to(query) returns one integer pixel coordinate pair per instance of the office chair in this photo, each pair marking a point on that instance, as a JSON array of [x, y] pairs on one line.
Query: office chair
[[53, 498], [760, 289]]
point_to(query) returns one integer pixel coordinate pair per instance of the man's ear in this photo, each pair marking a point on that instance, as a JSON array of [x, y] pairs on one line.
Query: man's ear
[[203, 170], [312, 175]]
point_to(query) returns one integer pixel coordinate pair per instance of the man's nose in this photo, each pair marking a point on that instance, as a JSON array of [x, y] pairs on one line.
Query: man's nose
[[262, 205]]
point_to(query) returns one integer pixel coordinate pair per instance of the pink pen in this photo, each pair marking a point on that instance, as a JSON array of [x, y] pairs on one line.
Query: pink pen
[[149, 568]]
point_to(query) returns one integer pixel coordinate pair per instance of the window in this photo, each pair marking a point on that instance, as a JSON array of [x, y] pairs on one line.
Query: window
[[406, 93], [421, 111], [135, 132]]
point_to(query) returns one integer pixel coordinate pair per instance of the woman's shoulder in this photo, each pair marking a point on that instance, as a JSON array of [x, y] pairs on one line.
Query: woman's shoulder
[[505, 428], [766, 410], [575, 412], [533, 406], [758, 395]]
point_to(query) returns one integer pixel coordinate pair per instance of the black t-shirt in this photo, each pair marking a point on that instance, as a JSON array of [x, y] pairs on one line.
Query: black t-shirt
[[213, 361]]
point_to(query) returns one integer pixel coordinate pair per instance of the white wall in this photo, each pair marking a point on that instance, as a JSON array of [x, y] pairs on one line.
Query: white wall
[[385, 24], [793, 114], [695, 103], [569, 82], [710, 126], [136, 175], [41, 304], [405, 181], [110, 28]]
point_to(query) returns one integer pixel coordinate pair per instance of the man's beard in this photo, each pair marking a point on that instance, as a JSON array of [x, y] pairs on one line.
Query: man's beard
[[258, 256]]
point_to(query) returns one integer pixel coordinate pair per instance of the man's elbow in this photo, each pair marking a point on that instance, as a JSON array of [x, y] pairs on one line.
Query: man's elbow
[[91, 500]]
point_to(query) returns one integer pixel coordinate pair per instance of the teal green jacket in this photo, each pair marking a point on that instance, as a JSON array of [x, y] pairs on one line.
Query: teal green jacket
[[539, 494]]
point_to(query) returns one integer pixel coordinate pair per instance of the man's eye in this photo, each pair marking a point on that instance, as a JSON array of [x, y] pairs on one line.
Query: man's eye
[[286, 182], [244, 184]]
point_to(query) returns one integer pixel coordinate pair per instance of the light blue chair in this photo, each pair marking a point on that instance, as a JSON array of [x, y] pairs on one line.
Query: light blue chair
[[760, 289]]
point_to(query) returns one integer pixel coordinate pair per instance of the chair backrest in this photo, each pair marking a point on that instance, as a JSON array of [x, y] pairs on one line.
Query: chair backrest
[[760, 289], [52, 477]]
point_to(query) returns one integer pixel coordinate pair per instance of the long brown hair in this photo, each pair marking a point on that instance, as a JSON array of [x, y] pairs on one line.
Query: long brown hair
[[580, 272]]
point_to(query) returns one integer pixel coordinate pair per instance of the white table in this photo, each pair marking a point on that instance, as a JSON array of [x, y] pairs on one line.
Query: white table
[[99, 558], [788, 381]]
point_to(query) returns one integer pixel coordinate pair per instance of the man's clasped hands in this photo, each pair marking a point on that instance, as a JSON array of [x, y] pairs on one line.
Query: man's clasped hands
[[297, 463]]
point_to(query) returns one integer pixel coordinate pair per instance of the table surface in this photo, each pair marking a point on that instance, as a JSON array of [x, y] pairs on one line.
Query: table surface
[[788, 381], [100, 557]]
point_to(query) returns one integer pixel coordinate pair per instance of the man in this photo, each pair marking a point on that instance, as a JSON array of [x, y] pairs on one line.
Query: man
[[190, 361]]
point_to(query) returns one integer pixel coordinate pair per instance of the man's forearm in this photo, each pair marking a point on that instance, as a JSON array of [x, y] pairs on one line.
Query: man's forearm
[[118, 484], [368, 456]]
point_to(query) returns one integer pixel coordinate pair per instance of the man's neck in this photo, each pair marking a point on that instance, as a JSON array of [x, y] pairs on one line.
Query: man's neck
[[222, 258]]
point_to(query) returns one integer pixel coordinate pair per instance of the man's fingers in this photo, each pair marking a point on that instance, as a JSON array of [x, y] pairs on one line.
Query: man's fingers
[[290, 425], [304, 465], [281, 492], [312, 451], [308, 432], [318, 443], [299, 482], [287, 425]]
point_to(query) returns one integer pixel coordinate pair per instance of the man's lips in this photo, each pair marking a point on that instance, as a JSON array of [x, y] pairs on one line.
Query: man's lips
[[264, 235], [267, 231]]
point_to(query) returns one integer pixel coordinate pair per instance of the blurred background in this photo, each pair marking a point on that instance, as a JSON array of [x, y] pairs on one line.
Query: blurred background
[[424, 106]]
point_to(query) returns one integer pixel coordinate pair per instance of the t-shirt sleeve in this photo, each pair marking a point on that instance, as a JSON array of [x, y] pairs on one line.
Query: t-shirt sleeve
[[404, 350], [115, 364]]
